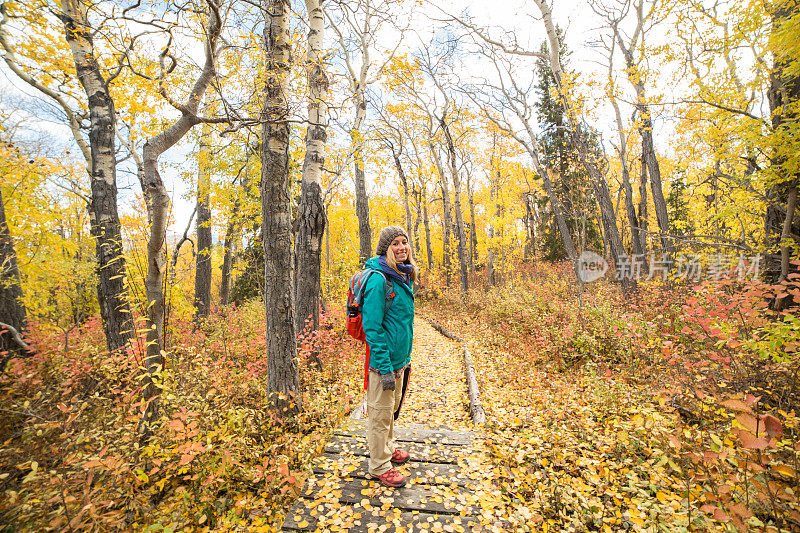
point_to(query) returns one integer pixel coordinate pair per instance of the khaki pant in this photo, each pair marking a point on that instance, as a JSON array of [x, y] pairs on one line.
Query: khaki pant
[[381, 405]]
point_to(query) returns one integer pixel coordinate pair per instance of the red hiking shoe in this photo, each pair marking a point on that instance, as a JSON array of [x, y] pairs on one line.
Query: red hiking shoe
[[400, 457], [392, 478]]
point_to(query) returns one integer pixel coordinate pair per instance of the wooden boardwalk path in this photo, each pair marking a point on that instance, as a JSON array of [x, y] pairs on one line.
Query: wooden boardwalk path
[[341, 496]]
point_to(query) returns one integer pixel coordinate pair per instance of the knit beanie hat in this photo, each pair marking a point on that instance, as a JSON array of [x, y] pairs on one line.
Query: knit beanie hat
[[388, 234]]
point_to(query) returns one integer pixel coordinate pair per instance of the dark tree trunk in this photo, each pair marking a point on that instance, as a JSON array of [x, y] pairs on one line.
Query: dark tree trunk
[[104, 217], [362, 212], [362, 200], [603, 195], [202, 279], [227, 260], [610, 226], [232, 236], [530, 228], [490, 270], [654, 169], [308, 257], [630, 209], [473, 234], [461, 234], [417, 219], [645, 127], [558, 215], [783, 95], [446, 220], [427, 223], [642, 218], [327, 240], [12, 308], [282, 372]]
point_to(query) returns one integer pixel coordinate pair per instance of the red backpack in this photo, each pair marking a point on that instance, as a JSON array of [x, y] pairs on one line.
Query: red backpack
[[355, 297]]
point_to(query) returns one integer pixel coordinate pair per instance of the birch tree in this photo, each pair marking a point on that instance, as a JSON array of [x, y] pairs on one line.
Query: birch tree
[[311, 209], [631, 51], [459, 213], [445, 114], [276, 229], [579, 140], [359, 27], [594, 166], [444, 189], [638, 234], [157, 192], [422, 200], [105, 224]]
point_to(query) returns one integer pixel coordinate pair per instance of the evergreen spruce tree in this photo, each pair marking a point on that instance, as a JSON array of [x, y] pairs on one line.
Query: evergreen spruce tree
[[571, 183], [678, 206]]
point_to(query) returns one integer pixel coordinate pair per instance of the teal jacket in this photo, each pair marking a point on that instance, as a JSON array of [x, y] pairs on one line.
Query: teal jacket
[[389, 336]]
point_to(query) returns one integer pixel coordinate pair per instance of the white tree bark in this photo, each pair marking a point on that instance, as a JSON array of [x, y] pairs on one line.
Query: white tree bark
[[311, 210], [104, 217], [159, 197], [283, 381], [578, 138], [361, 22]]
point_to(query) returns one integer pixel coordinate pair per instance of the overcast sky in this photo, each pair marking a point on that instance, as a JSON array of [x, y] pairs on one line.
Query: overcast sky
[[518, 16]]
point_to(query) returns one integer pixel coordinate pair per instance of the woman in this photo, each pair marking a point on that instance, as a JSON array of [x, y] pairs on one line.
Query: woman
[[389, 336]]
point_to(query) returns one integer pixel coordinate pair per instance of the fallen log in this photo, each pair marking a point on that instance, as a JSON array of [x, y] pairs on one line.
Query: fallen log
[[438, 327], [475, 406]]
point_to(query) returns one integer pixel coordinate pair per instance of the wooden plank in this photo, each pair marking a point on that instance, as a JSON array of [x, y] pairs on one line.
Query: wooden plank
[[429, 453], [416, 471], [411, 433], [356, 519], [422, 498], [343, 497]]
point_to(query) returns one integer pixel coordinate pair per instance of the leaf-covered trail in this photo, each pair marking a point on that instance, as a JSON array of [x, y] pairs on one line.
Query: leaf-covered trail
[[449, 477], [574, 449], [437, 393]]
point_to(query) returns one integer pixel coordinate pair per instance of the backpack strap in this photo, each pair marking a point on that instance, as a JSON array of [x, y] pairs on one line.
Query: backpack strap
[[358, 292]]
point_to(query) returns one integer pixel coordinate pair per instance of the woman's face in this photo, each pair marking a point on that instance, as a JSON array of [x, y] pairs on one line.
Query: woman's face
[[400, 248]]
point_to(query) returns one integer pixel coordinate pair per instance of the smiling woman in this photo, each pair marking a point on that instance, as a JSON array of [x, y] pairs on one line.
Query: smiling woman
[[389, 332]]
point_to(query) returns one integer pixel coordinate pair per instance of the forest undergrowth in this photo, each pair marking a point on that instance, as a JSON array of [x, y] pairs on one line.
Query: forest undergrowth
[[72, 459], [672, 410]]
